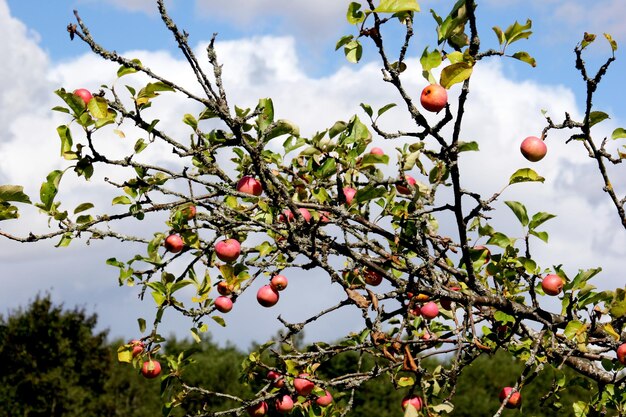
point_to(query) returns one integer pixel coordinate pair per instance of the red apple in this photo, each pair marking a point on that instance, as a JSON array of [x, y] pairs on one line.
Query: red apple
[[173, 243], [267, 296], [223, 304], [228, 250], [303, 386], [373, 278], [349, 193], [434, 98], [249, 185], [277, 379], [552, 284], [325, 400], [284, 404], [189, 212], [414, 400], [621, 353], [289, 217], [515, 400], [84, 94], [377, 151], [403, 189], [279, 282], [446, 303], [137, 347], [429, 311], [257, 410], [151, 369], [533, 148], [223, 288]]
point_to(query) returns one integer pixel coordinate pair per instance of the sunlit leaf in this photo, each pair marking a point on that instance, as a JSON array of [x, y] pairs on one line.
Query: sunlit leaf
[[525, 175], [455, 73], [13, 193], [395, 6]]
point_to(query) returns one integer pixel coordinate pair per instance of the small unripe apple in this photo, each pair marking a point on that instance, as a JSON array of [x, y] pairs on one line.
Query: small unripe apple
[[403, 189], [325, 400], [223, 288], [303, 386], [250, 185], [514, 401], [279, 282], [138, 347], [349, 193], [284, 404], [151, 369], [372, 277], [434, 98], [377, 151], [429, 311], [189, 212], [257, 410], [173, 243], [621, 353], [228, 250], [267, 296], [552, 284], [223, 304], [84, 94], [533, 148], [414, 400], [277, 379]]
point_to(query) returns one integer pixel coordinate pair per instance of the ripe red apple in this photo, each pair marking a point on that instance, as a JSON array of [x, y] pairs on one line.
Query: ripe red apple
[[223, 288], [277, 379], [403, 189], [173, 243], [372, 277], [267, 296], [533, 148], [414, 400], [84, 94], [249, 185], [434, 98], [552, 284], [303, 386], [377, 151], [151, 369], [349, 193], [514, 401], [621, 353], [257, 410], [429, 311], [228, 250], [284, 404], [279, 282], [189, 212], [223, 304], [325, 400], [137, 347], [289, 217]]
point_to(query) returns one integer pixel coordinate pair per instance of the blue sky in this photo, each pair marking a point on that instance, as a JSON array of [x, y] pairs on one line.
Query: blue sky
[[285, 49]]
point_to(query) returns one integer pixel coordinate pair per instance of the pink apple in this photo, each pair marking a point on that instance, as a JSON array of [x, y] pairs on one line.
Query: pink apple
[[377, 151], [257, 410], [552, 284], [429, 311], [151, 369], [267, 296], [173, 243], [138, 347], [373, 278], [434, 98], [303, 386], [621, 353], [349, 193], [84, 94], [284, 404], [277, 379], [223, 288], [249, 185], [279, 282], [228, 250], [533, 148], [515, 400], [289, 216], [223, 304], [414, 400], [325, 400], [403, 189]]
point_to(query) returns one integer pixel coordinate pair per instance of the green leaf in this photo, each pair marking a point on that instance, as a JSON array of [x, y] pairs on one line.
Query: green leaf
[[124, 70], [384, 109], [540, 218], [611, 41], [501, 240], [354, 15], [581, 409], [369, 192], [66, 142], [124, 354], [344, 40], [266, 113], [574, 329], [289, 144], [617, 308], [395, 6], [369, 160], [98, 107], [368, 109], [353, 51], [83, 207], [587, 39], [499, 34], [525, 57], [142, 325], [618, 133], [140, 145], [515, 32], [467, 146], [189, 120], [455, 73], [503, 317], [525, 175], [541, 235], [596, 117], [406, 381], [281, 127], [49, 189], [122, 199], [520, 211], [14, 193], [219, 320], [430, 60], [65, 240]]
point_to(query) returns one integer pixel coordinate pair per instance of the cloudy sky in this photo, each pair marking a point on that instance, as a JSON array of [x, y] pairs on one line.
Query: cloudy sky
[[285, 49]]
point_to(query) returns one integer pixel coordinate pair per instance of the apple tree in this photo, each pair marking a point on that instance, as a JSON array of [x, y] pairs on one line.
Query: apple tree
[[333, 202]]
